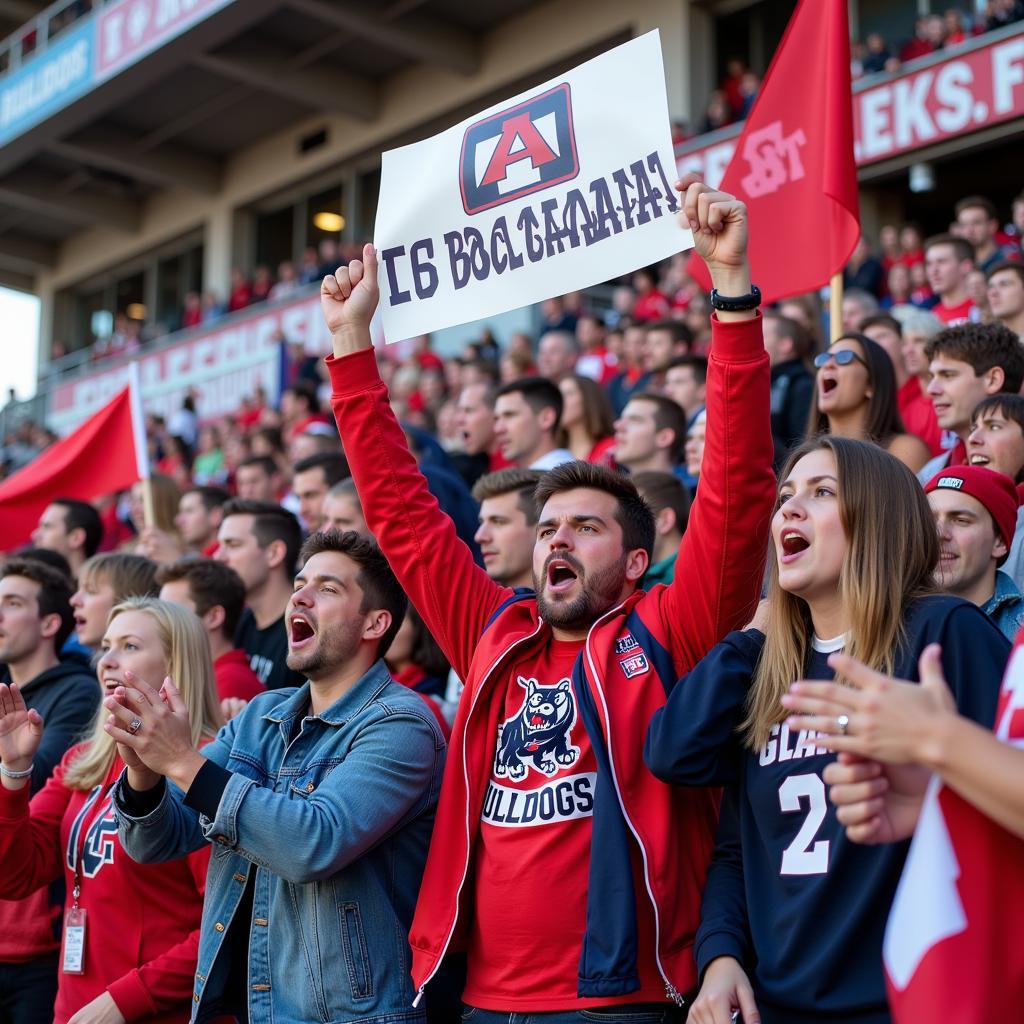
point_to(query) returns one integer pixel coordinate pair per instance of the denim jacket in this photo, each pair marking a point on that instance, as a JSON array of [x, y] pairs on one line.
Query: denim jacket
[[332, 813]]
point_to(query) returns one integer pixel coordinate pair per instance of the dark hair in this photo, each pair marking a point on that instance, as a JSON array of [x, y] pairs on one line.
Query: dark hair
[[668, 415], [272, 435], [426, 652], [697, 363], [884, 421], [334, 465], [982, 347], [212, 497], [307, 392], [270, 522], [803, 339], [632, 514], [380, 587], [210, 584], [881, 320], [961, 247], [1017, 268], [664, 490], [49, 557], [681, 334], [538, 393], [54, 593], [80, 515], [1011, 406], [979, 202], [264, 462], [505, 481], [598, 416]]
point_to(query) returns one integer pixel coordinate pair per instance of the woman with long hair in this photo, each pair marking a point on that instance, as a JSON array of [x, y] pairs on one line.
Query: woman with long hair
[[856, 397], [131, 931], [588, 424], [793, 912]]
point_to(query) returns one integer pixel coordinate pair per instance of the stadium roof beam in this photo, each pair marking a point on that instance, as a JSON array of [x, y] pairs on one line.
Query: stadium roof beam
[[19, 10], [166, 166], [49, 199], [268, 69], [418, 36], [25, 255]]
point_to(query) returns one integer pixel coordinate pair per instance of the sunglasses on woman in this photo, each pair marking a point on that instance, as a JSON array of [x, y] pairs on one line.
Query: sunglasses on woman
[[843, 357]]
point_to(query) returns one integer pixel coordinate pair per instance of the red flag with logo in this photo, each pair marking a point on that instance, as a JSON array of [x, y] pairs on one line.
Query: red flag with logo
[[794, 165], [954, 944], [107, 453]]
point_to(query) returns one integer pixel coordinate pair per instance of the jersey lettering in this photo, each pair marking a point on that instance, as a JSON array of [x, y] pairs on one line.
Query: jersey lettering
[[780, 747], [801, 857], [558, 800], [97, 848]]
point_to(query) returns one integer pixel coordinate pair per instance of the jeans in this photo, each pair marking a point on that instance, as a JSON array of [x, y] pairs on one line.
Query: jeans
[[627, 1013], [28, 991]]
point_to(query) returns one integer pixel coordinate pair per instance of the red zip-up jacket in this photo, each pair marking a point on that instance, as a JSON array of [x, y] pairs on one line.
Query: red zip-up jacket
[[717, 583], [142, 923]]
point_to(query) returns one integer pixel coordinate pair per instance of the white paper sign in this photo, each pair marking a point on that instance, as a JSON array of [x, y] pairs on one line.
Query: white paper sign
[[561, 187]]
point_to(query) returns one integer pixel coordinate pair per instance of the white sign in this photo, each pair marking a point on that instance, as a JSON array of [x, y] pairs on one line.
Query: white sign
[[559, 188]]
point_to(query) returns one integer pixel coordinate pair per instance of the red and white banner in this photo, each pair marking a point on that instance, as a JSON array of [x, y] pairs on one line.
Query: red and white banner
[[954, 944], [963, 93], [129, 29], [224, 364]]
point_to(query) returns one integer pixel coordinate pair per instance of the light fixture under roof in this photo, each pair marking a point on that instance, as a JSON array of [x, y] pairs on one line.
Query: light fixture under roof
[[326, 220], [135, 311]]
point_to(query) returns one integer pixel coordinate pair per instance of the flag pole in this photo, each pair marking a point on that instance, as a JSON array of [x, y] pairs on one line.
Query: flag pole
[[835, 309], [141, 448]]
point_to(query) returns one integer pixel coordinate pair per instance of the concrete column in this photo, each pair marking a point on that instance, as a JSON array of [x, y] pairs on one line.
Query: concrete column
[[218, 245]]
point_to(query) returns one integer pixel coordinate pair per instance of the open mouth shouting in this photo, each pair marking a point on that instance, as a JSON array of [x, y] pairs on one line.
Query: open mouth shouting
[[301, 632], [827, 383], [560, 574], [794, 544]]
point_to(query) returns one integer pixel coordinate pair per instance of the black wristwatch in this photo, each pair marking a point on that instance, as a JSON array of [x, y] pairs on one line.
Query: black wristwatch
[[736, 303]]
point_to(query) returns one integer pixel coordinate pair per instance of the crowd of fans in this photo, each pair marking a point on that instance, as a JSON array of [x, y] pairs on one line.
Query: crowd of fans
[[458, 471]]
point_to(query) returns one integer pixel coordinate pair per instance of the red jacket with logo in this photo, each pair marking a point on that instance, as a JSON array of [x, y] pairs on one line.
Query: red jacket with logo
[[142, 920], [717, 583]]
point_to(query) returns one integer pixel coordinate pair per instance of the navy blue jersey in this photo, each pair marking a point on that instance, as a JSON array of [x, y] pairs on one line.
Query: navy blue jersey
[[788, 895]]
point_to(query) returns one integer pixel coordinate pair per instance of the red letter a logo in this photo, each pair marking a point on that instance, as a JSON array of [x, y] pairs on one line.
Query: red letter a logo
[[534, 148]]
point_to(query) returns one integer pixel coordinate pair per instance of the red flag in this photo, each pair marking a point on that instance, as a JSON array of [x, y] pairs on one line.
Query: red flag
[[954, 945], [794, 165], [100, 457]]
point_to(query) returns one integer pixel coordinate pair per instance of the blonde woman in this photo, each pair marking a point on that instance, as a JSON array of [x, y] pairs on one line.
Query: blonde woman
[[130, 932], [793, 912]]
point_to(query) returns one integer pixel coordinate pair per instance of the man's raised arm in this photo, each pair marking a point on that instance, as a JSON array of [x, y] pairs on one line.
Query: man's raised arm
[[721, 557], [454, 596]]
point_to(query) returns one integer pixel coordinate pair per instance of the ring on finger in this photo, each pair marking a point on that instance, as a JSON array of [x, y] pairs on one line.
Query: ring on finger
[[843, 724], [134, 725]]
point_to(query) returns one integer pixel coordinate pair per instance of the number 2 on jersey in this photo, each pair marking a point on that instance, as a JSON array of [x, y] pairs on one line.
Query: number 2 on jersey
[[804, 856]]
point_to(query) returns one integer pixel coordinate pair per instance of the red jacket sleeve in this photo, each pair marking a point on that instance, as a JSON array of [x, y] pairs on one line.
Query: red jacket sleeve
[[721, 558], [166, 981], [454, 596], [30, 844]]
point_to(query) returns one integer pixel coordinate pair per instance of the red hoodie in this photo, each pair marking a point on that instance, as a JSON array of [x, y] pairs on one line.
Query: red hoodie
[[633, 654], [142, 924]]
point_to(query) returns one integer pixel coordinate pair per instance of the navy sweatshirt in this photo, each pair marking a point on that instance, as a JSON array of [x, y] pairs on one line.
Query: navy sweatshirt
[[788, 895]]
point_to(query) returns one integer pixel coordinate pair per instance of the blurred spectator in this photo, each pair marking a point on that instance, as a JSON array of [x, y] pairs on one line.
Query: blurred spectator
[[633, 377], [595, 361], [328, 256], [526, 423], [651, 304], [258, 478], [663, 342], [876, 55], [342, 511], [587, 420], [948, 261], [857, 304], [911, 244], [241, 294], [106, 580], [71, 527], [650, 434], [718, 113], [669, 500], [978, 222], [185, 422], [262, 282], [508, 521], [686, 383], [788, 344], [693, 451], [208, 466], [556, 317], [192, 314], [864, 271], [1006, 295], [312, 478], [213, 308], [199, 516], [918, 327], [309, 268], [557, 354], [898, 287], [287, 282], [732, 84], [750, 83]]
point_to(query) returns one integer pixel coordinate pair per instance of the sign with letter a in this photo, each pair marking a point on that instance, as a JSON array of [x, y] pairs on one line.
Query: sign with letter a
[[561, 187]]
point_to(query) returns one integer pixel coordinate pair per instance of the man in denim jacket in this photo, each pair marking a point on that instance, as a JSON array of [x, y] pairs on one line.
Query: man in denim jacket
[[319, 802]]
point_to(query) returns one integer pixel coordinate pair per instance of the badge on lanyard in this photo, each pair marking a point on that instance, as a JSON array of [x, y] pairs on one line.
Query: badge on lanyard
[[74, 941]]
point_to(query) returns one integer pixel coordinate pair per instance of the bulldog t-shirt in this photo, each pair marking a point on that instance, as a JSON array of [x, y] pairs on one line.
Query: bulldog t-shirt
[[532, 857]]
